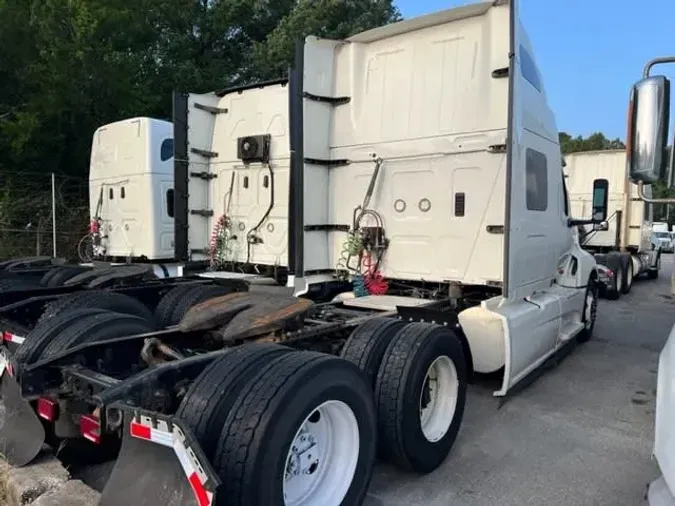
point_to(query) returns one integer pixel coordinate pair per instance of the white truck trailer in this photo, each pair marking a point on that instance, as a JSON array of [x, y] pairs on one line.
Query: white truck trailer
[[625, 245], [414, 170]]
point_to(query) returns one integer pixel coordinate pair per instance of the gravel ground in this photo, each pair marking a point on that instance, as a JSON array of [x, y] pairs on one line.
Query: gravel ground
[[580, 435]]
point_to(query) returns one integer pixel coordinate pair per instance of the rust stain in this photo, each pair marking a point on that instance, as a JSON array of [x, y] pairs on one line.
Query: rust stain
[[217, 301]]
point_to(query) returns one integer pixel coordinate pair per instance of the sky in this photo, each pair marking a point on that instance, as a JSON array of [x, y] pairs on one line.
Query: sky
[[589, 53]]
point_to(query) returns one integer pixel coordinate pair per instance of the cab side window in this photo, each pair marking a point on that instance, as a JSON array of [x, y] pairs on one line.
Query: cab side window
[[536, 180]]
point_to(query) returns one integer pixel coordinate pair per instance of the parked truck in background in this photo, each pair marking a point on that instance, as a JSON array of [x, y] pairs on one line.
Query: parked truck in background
[[414, 172], [625, 245]]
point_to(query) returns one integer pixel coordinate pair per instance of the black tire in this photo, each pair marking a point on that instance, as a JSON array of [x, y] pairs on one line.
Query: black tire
[[613, 289], [400, 384], [47, 276], [98, 299], [211, 396], [167, 304], [13, 284], [366, 345], [100, 326], [195, 296], [627, 266], [591, 290], [13, 328], [62, 274], [87, 276], [654, 273], [38, 338], [261, 428]]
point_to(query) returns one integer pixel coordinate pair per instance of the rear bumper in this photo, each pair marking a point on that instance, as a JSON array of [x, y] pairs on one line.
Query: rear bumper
[[658, 493]]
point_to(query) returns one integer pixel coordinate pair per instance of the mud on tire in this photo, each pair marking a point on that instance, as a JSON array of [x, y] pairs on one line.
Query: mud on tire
[[329, 398], [420, 396]]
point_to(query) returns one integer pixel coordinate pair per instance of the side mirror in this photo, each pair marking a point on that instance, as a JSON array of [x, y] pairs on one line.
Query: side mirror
[[603, 226], [600, 195], [647, 139]]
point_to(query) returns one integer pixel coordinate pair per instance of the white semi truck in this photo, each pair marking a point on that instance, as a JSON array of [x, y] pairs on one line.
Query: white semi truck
[[650, 160], [414, 172], [625, 245]]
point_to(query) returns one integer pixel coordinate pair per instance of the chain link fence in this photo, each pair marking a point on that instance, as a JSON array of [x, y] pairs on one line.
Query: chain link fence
[[42, 214]]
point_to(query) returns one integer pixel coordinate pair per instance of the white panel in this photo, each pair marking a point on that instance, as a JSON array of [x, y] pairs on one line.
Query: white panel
[[425, 102], [664, 443], [246, 198]]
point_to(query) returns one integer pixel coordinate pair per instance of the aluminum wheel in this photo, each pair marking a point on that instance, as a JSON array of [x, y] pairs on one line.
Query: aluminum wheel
[[438, 399], [322, 459]]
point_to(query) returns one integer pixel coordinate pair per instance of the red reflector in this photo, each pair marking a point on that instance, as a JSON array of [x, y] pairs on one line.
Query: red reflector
[[140, 431], [47, 409], [90, 428], [199, 490]]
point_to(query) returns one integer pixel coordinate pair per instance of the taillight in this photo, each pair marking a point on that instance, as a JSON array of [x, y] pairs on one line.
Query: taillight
[[90, 428], [47, 409]]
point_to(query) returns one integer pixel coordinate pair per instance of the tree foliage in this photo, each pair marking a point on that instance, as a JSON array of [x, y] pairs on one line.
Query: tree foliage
[[594, 142], [70, 66]]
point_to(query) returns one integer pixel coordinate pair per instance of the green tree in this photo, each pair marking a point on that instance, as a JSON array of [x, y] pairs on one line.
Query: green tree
[[70, 66], [594, 142]]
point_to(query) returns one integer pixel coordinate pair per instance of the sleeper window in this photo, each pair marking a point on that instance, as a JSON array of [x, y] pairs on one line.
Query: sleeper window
[[536, 175], [166, 150]]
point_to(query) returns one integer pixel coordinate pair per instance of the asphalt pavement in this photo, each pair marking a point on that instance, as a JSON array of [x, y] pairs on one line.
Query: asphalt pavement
[[580, 435]]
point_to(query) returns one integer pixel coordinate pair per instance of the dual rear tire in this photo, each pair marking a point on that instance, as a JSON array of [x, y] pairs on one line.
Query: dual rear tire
[[306, 423]]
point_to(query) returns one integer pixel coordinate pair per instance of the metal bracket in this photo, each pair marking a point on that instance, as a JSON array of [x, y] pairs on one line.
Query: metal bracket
[[447, 318], [328, 100], [204, 153], [211, 109], [327, 163], [201, 212], [206, 176]]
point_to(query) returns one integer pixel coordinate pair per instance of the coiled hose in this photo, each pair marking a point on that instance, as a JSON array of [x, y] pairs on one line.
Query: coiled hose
[[352, 247]]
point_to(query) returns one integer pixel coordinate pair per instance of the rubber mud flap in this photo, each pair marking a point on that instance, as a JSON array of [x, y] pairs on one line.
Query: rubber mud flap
[[148, 474], [21, 433]]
